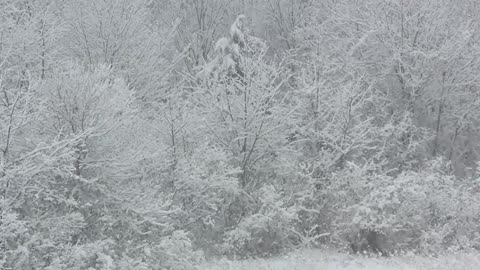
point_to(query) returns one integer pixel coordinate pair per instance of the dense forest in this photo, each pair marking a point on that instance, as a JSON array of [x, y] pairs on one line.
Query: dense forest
[[153, 134]]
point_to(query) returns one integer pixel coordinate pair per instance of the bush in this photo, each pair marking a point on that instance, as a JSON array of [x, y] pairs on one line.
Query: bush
[[174, 252], [427, 210], [266, 232]]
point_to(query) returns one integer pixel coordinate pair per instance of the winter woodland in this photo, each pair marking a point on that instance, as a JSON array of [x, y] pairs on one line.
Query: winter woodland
[[162, 134]]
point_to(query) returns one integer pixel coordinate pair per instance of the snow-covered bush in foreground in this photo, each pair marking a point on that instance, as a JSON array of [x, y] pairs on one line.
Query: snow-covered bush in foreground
[[174, 252], [266, 232], [327, 260], [428, 210]]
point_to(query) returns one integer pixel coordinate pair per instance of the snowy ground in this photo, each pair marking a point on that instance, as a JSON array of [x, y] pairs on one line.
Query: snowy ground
[[322, 260]]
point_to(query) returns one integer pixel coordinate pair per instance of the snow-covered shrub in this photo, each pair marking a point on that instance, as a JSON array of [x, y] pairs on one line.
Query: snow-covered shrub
[[427, 210], [98, 255], [314, 209], [266, 232], [13, 233], [174, 252], [205, 187]]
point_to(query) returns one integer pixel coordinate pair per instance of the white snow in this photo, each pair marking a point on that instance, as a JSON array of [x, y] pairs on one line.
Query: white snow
[[222, 45], [328, 260]]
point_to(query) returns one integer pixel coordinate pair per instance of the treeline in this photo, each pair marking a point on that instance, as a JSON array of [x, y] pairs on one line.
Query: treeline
[[153, 134]]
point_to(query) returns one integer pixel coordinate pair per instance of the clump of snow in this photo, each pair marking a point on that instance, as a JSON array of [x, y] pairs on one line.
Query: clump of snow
[[221, 46], [328, 260], [237, 30]]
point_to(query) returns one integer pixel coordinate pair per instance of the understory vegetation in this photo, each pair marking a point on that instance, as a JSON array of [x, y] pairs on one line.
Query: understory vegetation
[[139, 134]]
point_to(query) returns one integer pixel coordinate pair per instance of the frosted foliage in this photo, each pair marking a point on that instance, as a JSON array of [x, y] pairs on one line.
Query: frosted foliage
[[425, 208], [88, 99], [206, 185], [266, 231], [213, 134]]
